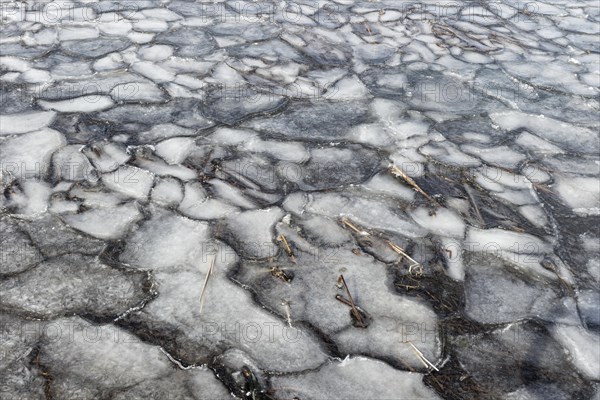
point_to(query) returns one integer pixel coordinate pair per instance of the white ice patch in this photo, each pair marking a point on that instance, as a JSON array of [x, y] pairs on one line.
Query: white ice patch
[[59, 206], [105, 223], [535, 175], [28, 155], [144, 92], [11, 124], [386, 184], [441, 222], [140, 37], [95, 197], [130, 181], [156, 52], [371, 134], [150, 25], [503, 241], [77, 32], [175, 150], [448, 153], [166, 240], [106, 157], [232, 137], [34, 197], [348, 89], [497, 179], [355, 378], [72, 165], [114, 26], [153, 72], [231, 194], [83, 104], [167, 192], [161, 168], [537, 145], [253, 231], [229, 318], [534, 214], [108, 63], [10, 63], [452, 251], [580, 193], [501, 156], [196, 204], [35, 76]]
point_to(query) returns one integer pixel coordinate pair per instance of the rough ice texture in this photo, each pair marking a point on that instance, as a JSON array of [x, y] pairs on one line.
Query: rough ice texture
[[26, 122], [18, 252], [73, 284], [181, 254], [108, 223], [354, 378], [144, 144]]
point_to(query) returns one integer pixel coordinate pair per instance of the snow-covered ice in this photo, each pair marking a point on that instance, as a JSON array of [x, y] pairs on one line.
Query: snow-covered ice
[[269, 200]]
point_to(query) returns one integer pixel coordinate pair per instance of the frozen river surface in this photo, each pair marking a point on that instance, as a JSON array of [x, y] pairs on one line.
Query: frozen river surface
[[333, 199]]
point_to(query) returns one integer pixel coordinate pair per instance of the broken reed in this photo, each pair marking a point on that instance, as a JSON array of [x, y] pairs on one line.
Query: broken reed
[[208, 275], [414, 266], [288, 248], [355, 312], [399, 173]]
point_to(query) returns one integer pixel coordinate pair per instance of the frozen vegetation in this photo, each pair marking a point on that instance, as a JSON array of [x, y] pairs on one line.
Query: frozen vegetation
[[333, 199]]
